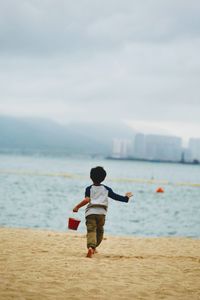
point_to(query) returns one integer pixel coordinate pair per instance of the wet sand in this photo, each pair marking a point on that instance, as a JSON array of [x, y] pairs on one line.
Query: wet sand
[[37, 264]]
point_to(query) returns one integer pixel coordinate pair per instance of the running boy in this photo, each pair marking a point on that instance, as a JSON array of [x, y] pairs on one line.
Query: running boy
[[96, 196]]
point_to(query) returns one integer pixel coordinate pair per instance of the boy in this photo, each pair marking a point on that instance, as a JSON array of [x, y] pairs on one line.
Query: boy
[[96, 196]]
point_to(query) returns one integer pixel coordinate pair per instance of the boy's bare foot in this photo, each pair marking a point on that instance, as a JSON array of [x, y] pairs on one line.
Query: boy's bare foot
[[90, 252]]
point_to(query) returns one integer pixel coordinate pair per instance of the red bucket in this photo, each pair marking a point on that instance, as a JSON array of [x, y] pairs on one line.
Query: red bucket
[[73, 223]]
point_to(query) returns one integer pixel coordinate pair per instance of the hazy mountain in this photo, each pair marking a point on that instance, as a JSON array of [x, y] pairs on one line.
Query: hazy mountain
[[34, 134]]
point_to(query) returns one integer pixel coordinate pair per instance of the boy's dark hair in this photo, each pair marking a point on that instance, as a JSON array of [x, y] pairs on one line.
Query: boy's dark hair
[[97, 174]]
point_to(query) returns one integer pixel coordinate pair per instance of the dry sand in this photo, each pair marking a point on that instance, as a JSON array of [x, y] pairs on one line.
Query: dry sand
[[43, 265]]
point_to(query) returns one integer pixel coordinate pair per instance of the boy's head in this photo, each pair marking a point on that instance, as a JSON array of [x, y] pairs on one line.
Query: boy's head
[[97, 175]]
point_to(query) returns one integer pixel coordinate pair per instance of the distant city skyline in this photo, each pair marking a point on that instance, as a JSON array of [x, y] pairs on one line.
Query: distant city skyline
[[156, 148], [36, 134]]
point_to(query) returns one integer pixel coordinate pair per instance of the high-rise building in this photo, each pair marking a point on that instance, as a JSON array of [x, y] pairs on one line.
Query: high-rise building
[[139, 146], [157, 147], [186, 155], [160, 147], [121, 148], [194, 148]]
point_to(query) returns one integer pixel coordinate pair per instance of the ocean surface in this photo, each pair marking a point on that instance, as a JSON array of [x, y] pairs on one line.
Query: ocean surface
[[41, 191]]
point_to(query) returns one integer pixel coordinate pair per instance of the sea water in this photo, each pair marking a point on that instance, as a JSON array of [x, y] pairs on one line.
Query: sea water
[[41, 191]]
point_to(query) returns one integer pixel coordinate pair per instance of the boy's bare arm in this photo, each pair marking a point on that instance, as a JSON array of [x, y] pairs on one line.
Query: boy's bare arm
[[82, 203]]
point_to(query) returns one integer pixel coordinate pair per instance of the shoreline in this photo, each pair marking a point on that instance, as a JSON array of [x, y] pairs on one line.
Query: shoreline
[[44, 264], [106, 234], [180, 162]]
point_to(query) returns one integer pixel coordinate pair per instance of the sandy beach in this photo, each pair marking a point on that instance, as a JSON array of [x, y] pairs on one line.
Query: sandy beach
[[43, 265]]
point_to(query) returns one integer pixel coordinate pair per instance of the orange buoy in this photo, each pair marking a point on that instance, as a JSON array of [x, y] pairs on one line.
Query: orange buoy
[[160, 190]]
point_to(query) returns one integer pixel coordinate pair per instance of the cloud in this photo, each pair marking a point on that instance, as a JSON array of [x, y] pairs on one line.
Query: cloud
[[91, 60], [182, 129], [48, 27]]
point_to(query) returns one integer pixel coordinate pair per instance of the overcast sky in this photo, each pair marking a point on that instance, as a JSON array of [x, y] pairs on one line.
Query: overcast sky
[[86, 60]]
